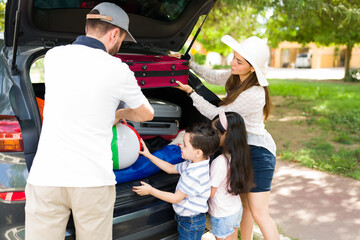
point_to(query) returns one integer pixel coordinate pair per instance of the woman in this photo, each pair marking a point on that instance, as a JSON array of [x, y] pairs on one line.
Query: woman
[[247, 94]]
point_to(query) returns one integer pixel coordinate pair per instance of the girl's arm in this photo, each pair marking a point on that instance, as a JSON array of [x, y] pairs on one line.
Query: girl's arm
[[163, 165], [213, 191], [146, 189]]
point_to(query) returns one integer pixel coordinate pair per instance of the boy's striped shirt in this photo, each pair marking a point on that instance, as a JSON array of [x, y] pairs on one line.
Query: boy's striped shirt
[[195, 183]]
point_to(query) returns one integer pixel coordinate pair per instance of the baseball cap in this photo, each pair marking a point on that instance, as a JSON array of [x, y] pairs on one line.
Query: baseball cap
[[113, 14]]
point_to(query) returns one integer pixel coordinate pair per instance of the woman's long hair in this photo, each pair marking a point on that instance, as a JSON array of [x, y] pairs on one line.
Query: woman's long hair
[[240, 176], [234, 87]]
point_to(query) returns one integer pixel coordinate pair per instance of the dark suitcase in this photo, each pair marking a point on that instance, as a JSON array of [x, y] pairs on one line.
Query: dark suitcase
[[152, 71], [166, 120]]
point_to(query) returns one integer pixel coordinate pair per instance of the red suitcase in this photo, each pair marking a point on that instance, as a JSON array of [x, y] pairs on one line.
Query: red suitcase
[[152, 71]]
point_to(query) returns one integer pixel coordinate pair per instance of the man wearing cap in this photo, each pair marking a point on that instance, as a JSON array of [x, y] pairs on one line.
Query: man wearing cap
[[72, 170]]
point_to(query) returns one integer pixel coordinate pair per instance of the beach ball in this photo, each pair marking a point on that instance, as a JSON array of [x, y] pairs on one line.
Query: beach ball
[[125, 146]]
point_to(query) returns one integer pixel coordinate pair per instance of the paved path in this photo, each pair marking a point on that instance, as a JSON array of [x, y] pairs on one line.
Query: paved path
[[311, 205], [306, 73]]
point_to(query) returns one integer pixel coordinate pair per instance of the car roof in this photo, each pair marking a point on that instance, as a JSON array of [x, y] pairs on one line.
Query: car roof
[[58, 22]]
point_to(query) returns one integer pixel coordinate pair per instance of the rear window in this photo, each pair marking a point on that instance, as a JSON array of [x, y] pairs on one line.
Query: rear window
[[163, 10]]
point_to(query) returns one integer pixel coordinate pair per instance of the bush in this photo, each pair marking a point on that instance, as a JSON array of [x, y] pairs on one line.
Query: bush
[[200, 58], [221, 67], [354, 75]]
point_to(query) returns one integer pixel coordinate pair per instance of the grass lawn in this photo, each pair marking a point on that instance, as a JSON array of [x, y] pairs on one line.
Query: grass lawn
[[316, 124]]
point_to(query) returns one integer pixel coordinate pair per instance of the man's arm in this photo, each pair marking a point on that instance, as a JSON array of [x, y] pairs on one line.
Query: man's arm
[[143, 113]]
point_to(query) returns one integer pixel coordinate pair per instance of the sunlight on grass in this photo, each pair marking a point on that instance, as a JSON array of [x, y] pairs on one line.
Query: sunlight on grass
[[333, 107], [319, 154]]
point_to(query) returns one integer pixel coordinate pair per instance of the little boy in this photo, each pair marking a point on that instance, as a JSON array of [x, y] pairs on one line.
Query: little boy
[[193, 189]]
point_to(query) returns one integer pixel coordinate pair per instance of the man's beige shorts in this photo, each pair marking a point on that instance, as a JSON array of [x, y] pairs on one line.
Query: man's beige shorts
[[48, 209]]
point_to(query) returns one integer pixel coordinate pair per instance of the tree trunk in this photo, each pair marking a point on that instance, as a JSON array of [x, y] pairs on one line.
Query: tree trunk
[[349, 48]]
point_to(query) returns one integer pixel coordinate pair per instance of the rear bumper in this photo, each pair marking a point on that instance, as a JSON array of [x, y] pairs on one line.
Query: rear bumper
[[155, 222]]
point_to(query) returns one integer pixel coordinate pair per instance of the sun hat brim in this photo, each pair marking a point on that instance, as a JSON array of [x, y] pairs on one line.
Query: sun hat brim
[[233, 44]]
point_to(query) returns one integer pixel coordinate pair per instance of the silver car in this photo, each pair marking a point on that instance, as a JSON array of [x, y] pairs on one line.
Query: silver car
[[303, 60]]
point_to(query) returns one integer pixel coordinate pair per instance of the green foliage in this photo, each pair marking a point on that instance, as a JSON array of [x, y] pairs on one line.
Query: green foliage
[[219, 90], [321, 155], [2, 15], [221, 66], [323, 22], [354, 75], [332, 107], [200, 58], [228, 17]]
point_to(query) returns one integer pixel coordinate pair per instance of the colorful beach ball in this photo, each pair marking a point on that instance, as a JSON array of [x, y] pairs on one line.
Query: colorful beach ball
[[125, 146]]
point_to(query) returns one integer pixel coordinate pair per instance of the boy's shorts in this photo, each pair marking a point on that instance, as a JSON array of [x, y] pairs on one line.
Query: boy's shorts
[[224, 226]]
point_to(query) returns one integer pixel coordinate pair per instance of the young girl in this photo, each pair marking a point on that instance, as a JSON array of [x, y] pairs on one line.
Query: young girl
[[230, 174]]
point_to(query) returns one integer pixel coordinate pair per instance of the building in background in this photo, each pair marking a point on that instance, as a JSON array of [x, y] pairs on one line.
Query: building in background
[[321, 57]]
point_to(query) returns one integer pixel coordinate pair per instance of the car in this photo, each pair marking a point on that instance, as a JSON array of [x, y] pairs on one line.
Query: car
[[31, 29], [303, 60]]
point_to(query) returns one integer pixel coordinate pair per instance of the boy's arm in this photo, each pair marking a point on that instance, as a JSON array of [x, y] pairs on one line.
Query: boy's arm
[[163, 165], [146, 189]]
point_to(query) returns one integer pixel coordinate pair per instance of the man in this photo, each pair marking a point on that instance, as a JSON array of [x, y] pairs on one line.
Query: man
[[72, 169]]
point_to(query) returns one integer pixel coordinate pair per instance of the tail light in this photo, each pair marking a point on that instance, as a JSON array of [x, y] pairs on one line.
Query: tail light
[[12, 196], [10, 135]]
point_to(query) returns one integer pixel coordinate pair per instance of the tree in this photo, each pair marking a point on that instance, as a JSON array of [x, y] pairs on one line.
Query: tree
[[228, 17], [324, 22]]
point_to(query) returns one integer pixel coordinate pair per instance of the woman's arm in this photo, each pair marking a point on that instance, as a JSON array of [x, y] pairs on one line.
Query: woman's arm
[[249, 101]]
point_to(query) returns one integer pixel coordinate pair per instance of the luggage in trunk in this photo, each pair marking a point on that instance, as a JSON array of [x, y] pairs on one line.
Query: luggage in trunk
[[153, 71], [166, 120]]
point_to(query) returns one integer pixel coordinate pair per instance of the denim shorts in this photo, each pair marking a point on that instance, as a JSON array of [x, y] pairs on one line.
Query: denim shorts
[[224, 226], [263, 164], [191, 227]]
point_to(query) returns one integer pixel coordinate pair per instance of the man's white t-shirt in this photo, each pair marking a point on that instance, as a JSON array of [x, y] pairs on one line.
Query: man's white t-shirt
[[84, 86], [222, 204]]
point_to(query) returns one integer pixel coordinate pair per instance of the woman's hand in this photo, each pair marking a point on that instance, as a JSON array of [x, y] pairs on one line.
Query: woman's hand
[[184, 87], [142, 190]]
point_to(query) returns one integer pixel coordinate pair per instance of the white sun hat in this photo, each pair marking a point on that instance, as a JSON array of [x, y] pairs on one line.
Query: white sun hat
[[255, 51]]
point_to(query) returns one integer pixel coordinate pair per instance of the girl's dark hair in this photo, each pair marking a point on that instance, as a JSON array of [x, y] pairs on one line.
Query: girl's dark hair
[[240, 176], [234, 87], [203, 137]]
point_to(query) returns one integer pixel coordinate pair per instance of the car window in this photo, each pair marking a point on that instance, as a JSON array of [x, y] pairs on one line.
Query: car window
[[302, 55], [163, 10], [37, 71]]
